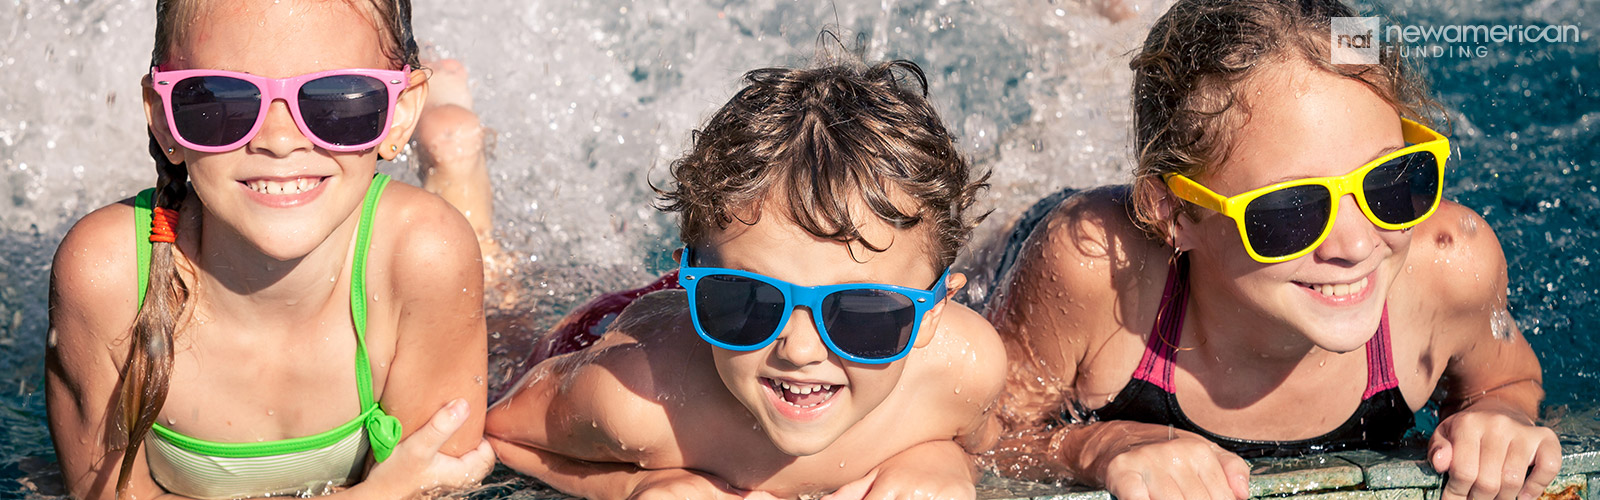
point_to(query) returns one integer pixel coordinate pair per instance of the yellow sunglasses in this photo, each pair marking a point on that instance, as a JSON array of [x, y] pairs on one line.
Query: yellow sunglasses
[[1287, 220]]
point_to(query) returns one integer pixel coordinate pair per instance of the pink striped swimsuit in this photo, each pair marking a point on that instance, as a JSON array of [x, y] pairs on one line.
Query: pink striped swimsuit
[[1380, 421]]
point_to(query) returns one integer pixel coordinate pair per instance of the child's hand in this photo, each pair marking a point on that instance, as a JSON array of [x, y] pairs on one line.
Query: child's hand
[[1494, 453], [678, 484], [1183, 465], [417, 465], [934, 470]]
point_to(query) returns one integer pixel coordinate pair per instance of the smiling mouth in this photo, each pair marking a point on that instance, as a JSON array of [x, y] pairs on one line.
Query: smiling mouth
[[801, 395], [1338, 290], [283, 187]]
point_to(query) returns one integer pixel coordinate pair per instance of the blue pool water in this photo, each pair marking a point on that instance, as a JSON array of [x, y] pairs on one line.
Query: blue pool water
[[592, 98]]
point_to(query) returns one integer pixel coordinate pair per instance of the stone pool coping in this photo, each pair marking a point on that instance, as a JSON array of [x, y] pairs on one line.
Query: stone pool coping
[[1401, 474], [1351, 475]]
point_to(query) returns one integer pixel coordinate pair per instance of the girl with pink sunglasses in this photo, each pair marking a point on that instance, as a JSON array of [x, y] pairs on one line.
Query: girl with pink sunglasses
[[283, 319]]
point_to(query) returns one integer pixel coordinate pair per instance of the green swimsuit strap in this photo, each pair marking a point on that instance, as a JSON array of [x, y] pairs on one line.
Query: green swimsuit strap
[[383, 430]]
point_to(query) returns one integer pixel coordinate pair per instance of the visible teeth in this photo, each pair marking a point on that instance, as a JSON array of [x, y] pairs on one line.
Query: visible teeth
[[1341, 289], [801, 389], [295, 186]]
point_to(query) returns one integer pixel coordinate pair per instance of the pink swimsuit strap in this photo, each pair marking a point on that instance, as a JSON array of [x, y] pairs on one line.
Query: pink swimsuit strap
[[1160, 350]]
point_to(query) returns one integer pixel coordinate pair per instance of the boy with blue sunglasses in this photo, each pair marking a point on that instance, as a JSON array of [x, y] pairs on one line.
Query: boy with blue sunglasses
[[813, 348]]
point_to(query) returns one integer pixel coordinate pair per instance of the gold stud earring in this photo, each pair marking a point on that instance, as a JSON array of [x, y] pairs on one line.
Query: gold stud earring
[[394, 148], [169, 151]]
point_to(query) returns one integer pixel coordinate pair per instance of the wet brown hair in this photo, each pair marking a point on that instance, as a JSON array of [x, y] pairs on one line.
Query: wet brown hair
[[1188, 78], [819, 137], [146, 374]]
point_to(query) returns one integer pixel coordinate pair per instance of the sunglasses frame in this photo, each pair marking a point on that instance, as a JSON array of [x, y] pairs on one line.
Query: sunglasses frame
[[1422, 138], [276, 89], [811, 297]]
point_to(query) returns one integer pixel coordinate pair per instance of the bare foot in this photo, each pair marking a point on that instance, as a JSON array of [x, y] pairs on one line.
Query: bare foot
[[1115, 10]]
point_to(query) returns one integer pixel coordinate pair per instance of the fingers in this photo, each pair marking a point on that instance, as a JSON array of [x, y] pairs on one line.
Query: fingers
[[1492, 470], [429, 438], [1440, 453], [1193, 469], [1463, 469], [1546, 463], [1494, 456], [1214, 477], [480, 461], [1237, 472], [1128, 486], [856, 490]]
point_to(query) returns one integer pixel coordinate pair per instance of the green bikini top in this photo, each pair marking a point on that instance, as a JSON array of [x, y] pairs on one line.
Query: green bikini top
[[383, 431]]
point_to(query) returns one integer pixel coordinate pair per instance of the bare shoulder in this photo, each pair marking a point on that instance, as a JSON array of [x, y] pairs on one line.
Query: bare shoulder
[[967, 350], [621, 384], [431, 242], [94, 281], [1458, 263], [1094, 224], [1089, 247], [1076, 274]]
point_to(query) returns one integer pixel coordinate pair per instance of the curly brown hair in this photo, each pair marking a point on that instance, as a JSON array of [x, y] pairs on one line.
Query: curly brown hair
[[821, 137], [1194, 63]]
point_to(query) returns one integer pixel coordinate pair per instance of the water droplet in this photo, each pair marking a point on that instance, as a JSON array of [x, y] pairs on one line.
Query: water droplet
[[1501, 325], [271, 413]]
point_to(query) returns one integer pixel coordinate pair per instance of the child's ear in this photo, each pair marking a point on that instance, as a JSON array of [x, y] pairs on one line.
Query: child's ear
[[156, 117], [1177, 228], [407, 110], [930, 321]]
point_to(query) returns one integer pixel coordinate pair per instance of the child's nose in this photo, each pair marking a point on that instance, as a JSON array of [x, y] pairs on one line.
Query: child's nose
[[1353, 238], [800, 344], [279, 135]]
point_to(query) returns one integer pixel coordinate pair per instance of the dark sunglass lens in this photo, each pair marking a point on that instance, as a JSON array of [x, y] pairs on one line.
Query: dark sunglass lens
[[871, 324], [214, 110], [1403, 189], [1287, 220], [346, 109], [738, 311]]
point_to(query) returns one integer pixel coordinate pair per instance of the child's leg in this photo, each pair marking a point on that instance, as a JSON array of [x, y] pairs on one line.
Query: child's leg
[[450, 148]]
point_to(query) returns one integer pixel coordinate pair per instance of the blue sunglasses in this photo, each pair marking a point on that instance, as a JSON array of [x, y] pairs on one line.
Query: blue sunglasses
[[861, 322]]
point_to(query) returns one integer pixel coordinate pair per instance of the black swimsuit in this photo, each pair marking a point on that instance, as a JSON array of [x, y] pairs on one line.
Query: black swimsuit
[[1380, 421]]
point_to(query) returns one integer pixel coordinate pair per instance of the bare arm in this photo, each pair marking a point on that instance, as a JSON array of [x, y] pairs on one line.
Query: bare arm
[[1077, 285], [1489, 441], [1490, 361], [93, 298], [578, 422], [92, 304], [441, 352], [1046, 342]]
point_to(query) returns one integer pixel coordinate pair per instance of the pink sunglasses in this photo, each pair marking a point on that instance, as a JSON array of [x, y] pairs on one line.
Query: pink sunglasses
[[342, 110]]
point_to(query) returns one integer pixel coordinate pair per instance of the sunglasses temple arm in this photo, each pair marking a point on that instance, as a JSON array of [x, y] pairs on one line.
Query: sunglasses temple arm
[[1193, 192]]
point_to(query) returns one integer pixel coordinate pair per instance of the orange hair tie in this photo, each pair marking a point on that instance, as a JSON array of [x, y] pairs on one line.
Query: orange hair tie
[[162, 222]]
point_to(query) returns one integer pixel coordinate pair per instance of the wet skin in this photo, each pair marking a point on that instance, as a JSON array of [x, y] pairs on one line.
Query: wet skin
[[651, 395], [266, 351], [1262, 341]]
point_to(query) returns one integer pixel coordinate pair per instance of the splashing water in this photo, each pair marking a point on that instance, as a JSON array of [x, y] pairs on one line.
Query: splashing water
[[591, 99]]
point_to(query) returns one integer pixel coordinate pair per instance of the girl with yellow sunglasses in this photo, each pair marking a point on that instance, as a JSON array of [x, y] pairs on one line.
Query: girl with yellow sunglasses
[[1283, 277]]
